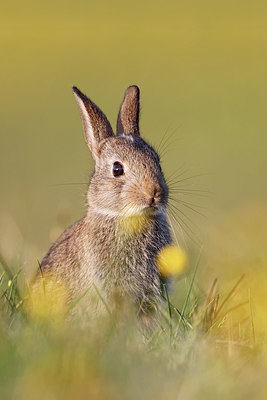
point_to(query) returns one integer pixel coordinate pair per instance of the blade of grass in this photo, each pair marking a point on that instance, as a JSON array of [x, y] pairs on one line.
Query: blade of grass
[[251, 318], [6, 268], [213, 286], [102, 299], [42, 275], [226, 313], [183, 318], [229, 295], [191, 284], [78, 299], [169, 309], [178, 312]]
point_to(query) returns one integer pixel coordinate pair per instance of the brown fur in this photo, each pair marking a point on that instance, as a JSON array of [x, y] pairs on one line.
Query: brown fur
[[128, 119], [116, 244]]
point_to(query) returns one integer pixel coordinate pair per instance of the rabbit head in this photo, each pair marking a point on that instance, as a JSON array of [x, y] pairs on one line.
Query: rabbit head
[[127, 179]]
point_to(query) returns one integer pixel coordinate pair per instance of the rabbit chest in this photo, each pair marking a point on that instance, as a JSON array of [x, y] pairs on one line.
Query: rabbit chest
[[123, 256]]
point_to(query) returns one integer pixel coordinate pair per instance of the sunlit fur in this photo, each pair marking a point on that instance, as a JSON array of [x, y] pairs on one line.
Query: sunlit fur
[[114, 247]]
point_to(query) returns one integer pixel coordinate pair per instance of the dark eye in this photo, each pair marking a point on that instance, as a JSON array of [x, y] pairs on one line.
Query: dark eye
[[117, 169]]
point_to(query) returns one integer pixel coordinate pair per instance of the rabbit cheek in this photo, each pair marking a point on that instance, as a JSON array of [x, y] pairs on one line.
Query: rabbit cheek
[[134, 200]]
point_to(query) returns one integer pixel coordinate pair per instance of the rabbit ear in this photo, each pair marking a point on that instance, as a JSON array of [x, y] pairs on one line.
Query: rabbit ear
[[95, 124], [128, 119]]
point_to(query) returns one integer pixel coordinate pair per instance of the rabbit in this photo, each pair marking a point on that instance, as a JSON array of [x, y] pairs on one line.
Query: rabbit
[[114, 247]]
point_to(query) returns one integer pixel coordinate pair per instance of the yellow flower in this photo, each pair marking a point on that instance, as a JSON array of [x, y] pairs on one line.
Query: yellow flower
[[47, 300], [171, 261]]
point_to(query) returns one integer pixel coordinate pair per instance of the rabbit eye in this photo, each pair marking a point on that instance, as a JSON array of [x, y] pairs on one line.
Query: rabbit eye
[[117, 169]]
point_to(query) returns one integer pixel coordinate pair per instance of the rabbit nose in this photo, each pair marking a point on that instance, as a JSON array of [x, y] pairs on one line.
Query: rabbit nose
[[153, 197]]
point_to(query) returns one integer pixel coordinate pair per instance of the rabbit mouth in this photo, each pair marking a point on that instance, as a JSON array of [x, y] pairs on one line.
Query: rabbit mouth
[[131, 211], [150, 211], [141, 210]]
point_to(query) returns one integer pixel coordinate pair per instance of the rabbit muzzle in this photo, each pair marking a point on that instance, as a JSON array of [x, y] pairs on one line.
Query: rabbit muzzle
[[148, 197], [152, 197]]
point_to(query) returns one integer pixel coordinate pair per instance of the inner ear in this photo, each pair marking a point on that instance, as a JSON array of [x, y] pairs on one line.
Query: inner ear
[[95, 124], [128, 118]]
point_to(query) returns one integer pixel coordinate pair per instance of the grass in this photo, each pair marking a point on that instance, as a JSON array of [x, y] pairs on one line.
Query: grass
[[201, 68], [201, 347]]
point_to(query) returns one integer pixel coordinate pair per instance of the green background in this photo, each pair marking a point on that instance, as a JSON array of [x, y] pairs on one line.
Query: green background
[[201, 68]]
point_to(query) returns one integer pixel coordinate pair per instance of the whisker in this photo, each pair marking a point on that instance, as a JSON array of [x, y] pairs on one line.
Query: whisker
[[173, 231], [196, 192], [182, 229], [174, 172], [188, 205], [167, 147], [164, 140], [180, 201], [185, 193], [173, 178], [196, 242], [182, 220], [188, 230], [179, 226], [165, 143], [186, 216], [190, 177]]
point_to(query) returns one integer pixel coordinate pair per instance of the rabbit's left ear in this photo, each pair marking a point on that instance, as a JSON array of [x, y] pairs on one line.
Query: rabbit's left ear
[[128, 119], [95, 124]]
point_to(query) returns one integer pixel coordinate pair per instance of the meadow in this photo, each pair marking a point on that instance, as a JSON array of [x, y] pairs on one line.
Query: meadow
[[201, 69]]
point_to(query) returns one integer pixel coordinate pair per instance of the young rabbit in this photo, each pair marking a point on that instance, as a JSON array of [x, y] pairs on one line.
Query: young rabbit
[[115, 246]]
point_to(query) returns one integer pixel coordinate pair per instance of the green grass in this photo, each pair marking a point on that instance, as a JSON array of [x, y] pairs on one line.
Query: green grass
[[201, 347]]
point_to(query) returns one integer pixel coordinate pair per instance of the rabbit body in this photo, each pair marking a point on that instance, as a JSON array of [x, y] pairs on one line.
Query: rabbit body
[[115, 246]]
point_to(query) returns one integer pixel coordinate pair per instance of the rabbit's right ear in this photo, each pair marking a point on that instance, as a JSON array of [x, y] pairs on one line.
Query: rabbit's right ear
[[95, 124], [128, 119]]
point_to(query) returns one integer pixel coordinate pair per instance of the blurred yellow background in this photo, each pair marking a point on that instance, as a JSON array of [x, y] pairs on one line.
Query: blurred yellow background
[[201, 68]]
